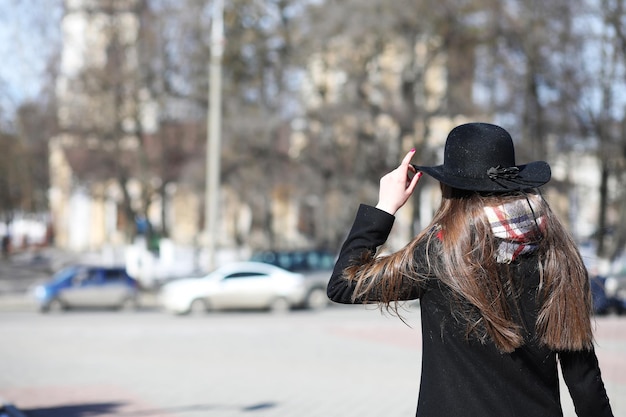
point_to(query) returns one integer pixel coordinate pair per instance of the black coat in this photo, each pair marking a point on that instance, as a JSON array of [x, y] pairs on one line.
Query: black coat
[[462, 377]]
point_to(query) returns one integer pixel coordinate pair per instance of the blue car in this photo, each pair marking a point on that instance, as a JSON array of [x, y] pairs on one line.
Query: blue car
[[88, 287]]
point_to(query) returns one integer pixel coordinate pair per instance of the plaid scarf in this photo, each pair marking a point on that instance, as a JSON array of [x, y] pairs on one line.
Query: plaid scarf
[[516, 227]]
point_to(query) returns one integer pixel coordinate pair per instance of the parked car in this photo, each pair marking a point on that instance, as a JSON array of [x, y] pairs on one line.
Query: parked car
[[236, 286], [297, 260], [315, 265], [88, 286], [602, 304]]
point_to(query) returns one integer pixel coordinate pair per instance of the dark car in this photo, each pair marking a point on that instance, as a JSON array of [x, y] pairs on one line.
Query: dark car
[[315, 265], [298, 261], [88, 286], [600, 301], [603, 299], [615, 286]]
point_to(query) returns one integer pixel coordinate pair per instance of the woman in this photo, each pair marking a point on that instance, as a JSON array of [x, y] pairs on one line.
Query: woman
[[503, 292]]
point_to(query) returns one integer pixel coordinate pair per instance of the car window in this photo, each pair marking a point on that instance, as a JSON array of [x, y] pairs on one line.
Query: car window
[[114, 276], [287, 261], [317, 260], [267, 257], [81, 277], [298, 261], [236, 275], [63, 275], [93, 277]]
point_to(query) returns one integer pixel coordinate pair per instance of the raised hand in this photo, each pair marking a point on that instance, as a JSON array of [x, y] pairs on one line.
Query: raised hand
[[397, 186]]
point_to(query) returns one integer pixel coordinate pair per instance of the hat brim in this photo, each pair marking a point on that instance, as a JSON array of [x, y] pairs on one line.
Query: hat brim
[[531, 175]]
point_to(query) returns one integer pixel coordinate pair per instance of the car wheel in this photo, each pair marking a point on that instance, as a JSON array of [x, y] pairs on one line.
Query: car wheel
[[316, 299], [198, 306], [280, 305], [53, 306], [129, 304]]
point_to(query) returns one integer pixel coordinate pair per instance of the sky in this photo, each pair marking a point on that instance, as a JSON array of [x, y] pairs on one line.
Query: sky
[[29, 33]]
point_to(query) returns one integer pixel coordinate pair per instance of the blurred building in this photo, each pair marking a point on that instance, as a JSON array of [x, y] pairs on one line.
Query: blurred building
[[82, 202], [111, 127]]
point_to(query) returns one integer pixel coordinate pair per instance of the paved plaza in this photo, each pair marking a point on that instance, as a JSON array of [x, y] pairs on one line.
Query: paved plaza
[[343, 361]]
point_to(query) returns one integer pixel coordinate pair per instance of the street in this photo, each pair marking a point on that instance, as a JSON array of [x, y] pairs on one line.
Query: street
[[343, 361]]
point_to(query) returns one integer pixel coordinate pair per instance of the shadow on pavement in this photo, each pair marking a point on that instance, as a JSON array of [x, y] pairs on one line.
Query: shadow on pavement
[[78, 410], [116, 409]]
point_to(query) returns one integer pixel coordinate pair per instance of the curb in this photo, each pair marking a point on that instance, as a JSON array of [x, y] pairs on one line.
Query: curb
[[9, 410]]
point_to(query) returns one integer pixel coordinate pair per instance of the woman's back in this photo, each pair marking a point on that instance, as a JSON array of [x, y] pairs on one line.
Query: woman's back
[[503, 291], [463, 375]]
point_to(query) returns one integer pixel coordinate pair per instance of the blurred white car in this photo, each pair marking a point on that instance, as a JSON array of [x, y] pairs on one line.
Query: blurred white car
[[241, 285]]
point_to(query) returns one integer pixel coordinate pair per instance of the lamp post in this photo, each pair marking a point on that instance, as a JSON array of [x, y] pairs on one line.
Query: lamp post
[[214, 130]]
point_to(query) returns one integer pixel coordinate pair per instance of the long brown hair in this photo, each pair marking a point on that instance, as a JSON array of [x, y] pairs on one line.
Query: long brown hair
[[466, 264]]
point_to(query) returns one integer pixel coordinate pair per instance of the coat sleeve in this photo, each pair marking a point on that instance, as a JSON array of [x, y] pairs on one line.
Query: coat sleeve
[[370, 230], [581, 374]]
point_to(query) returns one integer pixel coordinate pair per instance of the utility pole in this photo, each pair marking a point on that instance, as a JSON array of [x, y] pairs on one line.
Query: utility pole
[[214, 130]]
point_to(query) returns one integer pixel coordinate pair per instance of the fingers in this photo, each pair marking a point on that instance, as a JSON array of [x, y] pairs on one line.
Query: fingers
[[414, 182], [407, 158], [406, 167], [398, 185], [406, 164]]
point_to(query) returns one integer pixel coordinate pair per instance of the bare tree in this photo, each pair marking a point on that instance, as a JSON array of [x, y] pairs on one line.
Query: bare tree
[[321, 98], [27, 112], [122, 111], [605, 122], [23, 163]]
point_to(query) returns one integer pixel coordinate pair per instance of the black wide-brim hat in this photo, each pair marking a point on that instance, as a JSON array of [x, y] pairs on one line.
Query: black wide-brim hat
[[481, 157]]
